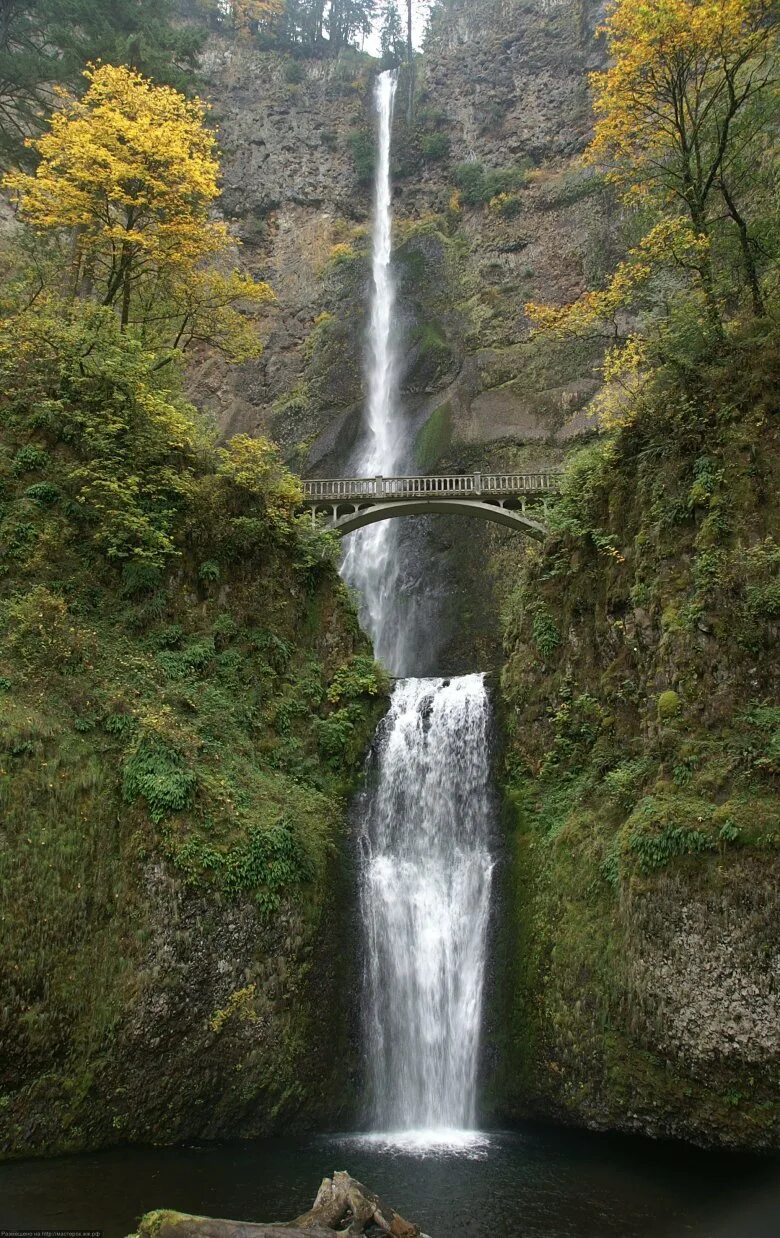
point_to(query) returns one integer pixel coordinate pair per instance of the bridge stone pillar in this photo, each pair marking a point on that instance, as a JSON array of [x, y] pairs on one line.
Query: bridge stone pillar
[[477, 483], [380, 486]]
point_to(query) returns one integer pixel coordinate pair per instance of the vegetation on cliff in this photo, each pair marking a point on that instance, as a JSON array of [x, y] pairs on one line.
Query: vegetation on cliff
[[641, 768], [45, 44], [185, 696], [641, 685]]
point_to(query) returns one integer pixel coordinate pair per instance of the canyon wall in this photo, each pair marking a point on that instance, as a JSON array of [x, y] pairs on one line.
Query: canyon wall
[[642, 998]]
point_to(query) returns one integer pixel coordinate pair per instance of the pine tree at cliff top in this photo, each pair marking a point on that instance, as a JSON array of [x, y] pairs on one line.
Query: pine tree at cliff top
[[48, 42]]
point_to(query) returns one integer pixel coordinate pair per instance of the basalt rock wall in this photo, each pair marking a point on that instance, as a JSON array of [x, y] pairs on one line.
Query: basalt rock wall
[[501, 94]]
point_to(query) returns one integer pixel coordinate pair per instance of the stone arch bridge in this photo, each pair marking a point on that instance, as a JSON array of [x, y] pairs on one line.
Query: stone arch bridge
[[517, 500]]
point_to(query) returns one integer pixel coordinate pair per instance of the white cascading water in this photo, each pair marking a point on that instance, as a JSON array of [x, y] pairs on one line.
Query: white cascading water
[[426, 872], [425, 903], [371, 559]]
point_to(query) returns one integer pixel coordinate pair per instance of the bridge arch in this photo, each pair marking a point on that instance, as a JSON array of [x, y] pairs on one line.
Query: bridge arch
[[351, 503], [350, 522]]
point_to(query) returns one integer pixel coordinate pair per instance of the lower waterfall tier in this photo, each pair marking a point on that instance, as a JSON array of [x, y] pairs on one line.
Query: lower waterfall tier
[[425, 894]]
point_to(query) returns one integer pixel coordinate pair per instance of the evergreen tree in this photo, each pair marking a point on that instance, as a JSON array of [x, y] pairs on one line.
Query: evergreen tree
[[302, 24], [46, 43], [348, 19], [410, 63], [391, 35]]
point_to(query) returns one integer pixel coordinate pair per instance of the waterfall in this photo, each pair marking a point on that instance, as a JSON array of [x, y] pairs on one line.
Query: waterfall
[[425, 902], [426, 869], [371, 562]]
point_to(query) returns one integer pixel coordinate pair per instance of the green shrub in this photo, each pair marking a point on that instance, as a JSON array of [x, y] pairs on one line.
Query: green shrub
[[29, 459], [42, 492], [507, 205], [294, 72], [478, 186], [656, 850], [155, 772], [363, 149], [336, 733], [209, 571], [168, 637], [41, 632], [470, 179], [435, 146], [268, 861], [545, 632], [622, 784], [361, 676], [178, 664]]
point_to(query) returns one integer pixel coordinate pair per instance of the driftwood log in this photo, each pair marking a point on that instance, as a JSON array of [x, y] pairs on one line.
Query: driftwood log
[[343, 1206]]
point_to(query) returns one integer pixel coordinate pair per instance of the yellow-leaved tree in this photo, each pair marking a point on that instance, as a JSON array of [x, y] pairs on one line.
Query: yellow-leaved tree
[[246, 14], [681, 119], [129, 173], [679, 103]]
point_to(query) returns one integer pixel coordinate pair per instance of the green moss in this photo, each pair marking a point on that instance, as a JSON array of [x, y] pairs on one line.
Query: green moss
[[668, 705], [631, 809], [434, 438]]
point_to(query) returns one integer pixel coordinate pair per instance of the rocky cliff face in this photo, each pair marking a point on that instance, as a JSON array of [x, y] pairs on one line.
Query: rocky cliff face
[[492, 211], [292, 195], [641, 952], [504, 91], [638, 978]]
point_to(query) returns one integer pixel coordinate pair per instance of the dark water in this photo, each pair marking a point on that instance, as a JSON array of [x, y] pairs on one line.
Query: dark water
[[525, 1184]]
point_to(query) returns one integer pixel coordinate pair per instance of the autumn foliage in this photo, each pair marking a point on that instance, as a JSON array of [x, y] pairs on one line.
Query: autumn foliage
[[130, 173], [682, 117]]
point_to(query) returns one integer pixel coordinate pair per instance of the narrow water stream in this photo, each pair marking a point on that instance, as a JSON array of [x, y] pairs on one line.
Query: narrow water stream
[[371, 563]]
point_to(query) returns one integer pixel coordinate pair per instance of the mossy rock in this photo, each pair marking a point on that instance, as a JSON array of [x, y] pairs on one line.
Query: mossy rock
[[432, 361], [669, 706], [434, 438]]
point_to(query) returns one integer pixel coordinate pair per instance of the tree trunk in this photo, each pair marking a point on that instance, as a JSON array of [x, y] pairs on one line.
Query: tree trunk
[[342, 1196], [341, 1200], [126, 285], [748, 261], [704, 267]]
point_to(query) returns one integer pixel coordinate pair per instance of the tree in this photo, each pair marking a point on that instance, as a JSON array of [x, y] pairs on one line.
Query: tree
[[129, 174], [410, 61], [684, 73], [391, 35], [247, 16], [348, 19], [47, 42], [682, 123]]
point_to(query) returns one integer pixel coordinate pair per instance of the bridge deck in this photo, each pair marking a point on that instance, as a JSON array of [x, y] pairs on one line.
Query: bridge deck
[[457, 486]]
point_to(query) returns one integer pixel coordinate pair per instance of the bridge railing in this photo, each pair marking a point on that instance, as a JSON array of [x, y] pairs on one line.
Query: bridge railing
[[345, 488]]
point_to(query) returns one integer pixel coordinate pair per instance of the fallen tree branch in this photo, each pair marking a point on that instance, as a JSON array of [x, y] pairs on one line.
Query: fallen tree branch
[[343, 1205]]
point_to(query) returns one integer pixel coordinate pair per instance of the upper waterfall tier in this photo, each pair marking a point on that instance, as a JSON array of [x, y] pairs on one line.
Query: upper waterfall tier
[[371, 562]]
